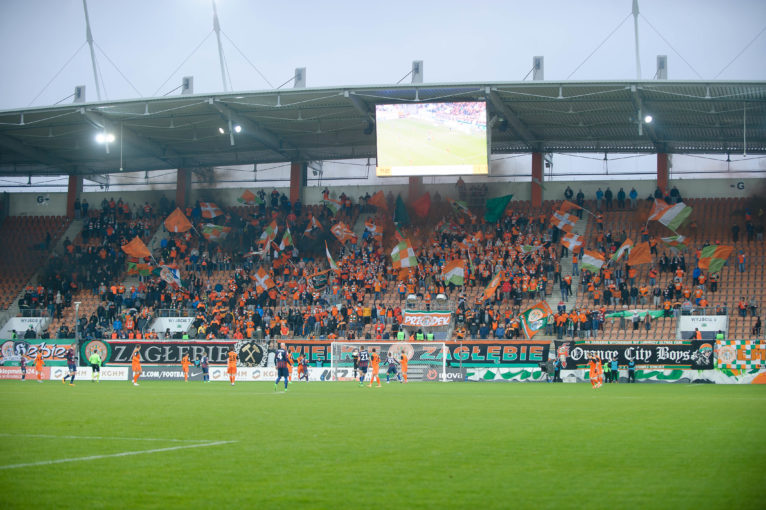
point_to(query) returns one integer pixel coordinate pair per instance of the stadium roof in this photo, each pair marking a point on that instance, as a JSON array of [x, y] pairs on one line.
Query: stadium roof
[[338, 123]]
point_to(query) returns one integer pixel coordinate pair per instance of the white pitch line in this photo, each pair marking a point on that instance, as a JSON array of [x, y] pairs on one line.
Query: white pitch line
[[121, 454], [107, 438]]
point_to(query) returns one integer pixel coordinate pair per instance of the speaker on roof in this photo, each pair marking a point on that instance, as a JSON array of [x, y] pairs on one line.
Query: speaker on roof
[[662, 67], [417, 71], [300, 78], [187, 85], [79, 94]]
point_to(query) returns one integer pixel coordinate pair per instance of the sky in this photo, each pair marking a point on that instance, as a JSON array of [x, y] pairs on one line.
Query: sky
[[357, 43], [154, 43]]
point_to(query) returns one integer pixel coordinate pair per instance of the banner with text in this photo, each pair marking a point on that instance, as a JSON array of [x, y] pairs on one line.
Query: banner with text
[[696, 354], [251, 353], [53, 351], [426, 319]]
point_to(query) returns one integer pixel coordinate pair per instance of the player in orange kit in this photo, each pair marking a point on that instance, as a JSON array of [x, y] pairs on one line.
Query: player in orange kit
[[290, 364], [232, 365], [185, 362], [135, 365], [39, 366], [303, 368], [595, 373], [599, 372], [403, 363], [375, 362]]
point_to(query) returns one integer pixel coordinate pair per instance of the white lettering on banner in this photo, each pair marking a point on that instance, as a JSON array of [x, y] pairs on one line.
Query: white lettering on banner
[[262, 374], [107, 373], [427, 320]]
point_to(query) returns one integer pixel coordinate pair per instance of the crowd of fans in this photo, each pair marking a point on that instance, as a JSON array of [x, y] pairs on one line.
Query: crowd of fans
[[223, 288]]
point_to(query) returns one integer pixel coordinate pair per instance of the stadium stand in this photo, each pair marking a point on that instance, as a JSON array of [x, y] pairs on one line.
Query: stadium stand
[[227, 263], [27, 242]]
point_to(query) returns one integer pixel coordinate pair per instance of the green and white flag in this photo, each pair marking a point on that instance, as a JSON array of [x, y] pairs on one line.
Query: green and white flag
[[403, 255], [332, 263], [622, 250], [332, 205], [454, 272], [591, 260], [676, 243], [287, 240], [672, 216], [528, 249]]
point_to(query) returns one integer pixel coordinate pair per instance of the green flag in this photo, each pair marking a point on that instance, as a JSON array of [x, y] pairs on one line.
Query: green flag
[[401, 218], [496, 207], [655, 314]]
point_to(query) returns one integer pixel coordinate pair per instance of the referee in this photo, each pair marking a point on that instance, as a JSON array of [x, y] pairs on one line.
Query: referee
[[95, 365]]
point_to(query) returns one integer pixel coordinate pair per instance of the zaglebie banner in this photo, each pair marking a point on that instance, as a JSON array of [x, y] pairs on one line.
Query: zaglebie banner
[[251, 353]]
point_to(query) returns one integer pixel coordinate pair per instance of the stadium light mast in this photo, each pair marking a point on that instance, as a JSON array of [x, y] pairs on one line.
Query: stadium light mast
[[635, 30], [217, 29], [89, 38]]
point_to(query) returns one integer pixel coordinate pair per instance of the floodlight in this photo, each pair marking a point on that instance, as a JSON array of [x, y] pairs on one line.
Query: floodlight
[[220, 130], [105, 138], [648, 119], [237, 128]]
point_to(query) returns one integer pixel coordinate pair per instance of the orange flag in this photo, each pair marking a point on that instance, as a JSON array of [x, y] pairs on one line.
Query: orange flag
[[640, 254], [177, 222], [378, 200], [422, 205], [136, 248]]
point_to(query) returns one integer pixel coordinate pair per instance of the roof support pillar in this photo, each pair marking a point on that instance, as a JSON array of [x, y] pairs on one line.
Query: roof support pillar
[[298, 178], [662, 172], [183, 187], [537, 179], [74, 189]]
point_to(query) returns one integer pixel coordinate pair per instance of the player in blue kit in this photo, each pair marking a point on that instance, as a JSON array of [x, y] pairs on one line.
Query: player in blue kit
[[282, 363], [364, 361], [71, 363], [393, 367]]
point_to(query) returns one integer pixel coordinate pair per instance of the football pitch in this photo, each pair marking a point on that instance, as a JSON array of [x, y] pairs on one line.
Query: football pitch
[[402, 446], [412, 142]]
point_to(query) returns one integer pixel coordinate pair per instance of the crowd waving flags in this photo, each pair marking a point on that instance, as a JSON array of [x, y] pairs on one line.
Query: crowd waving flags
[[330, 261], [640, 254], [342, 232], [209, 210], [263, 281], [572, 241], [672, 216], [564, 221], [177, 222], [622, 250], [714, 257], [137, 249], [676, 243], [403, 255], [591, 260], [454, 272]]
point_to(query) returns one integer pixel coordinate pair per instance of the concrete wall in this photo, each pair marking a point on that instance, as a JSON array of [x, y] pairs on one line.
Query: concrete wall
[[54, 204]]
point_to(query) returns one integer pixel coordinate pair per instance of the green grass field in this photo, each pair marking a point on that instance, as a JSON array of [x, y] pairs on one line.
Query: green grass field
[[411, 142], [420, 445]]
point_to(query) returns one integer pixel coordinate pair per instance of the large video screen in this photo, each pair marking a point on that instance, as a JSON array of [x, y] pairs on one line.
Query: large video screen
[[432, 139]]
